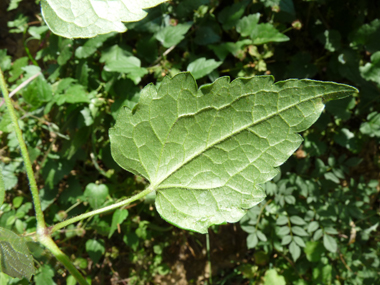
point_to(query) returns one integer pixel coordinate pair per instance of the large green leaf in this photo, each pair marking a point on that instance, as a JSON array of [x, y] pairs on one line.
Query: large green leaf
[[207, 151], [15, 259], [89, 18]]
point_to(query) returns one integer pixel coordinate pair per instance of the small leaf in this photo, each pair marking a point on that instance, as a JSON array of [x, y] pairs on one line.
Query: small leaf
[[230, 15], [86, 113], [37, 92], [318, 234], [70, 280], [370, 128], [5, 60], [95, 249], [272, 277], [45, 276], [120, 60], [16, 260], [266, 33], [96, 194], [88, 18], [283, 231], [299, 241], [331, 176], [91, 46], [330, 243], [246, 24], [118, 217], [201, 67], [290, 199], [173, 35], [297, 220], [295, 250], [313, 226], [248, 229], [206, 152], [74, 94], [286, 240], [252, 240], [16, 69], [371, 71], [261, 236], [314, 251], [13, 5], [331, 231], [282, 220], [299, 231]]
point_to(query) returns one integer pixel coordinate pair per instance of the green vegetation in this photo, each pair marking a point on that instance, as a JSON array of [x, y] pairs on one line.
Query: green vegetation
[[315, 223]]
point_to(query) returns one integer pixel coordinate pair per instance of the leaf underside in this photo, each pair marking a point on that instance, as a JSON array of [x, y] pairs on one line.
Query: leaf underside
[[89, 18], [206, 151], [15, 259]]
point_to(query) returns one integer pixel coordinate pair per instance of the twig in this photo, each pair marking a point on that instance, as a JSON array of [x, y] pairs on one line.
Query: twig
[[291, 263], [22, 85], [344, 262], [37, 175], [208, 257], [261, 211], [164, 54]]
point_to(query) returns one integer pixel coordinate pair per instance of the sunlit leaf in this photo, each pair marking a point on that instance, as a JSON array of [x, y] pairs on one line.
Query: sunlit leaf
[[207, 151], [89, 18]]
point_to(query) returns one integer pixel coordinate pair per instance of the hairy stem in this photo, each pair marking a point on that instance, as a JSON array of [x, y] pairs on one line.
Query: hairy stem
[[42, 236], [101, 210], [54, 249], [25, 155], [2, 188], [209, 257]]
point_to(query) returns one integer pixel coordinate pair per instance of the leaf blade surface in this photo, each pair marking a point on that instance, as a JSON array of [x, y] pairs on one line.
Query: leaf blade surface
[[15, 258], [207, 151], [89, 18]]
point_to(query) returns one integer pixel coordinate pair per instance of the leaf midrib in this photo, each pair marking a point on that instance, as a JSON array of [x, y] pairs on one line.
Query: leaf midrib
[[157, 187]]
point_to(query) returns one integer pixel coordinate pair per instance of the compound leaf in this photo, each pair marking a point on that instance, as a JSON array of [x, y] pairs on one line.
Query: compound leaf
[[89, 18], [207, 151], [15, 259]]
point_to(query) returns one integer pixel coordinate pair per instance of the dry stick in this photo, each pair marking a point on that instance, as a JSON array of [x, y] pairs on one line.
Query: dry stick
[[22, 85]]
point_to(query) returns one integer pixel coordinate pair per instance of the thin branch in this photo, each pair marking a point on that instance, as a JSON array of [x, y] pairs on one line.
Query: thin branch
[[163, 55], [25, 155], [101, 210], [22, 85]]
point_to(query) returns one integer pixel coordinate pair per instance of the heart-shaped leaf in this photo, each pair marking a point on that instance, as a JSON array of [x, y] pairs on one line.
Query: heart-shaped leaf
[[89, 18], [207, 151]]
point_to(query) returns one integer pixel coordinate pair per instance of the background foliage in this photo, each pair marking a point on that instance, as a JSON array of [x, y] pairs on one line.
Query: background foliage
[[319, 223]]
